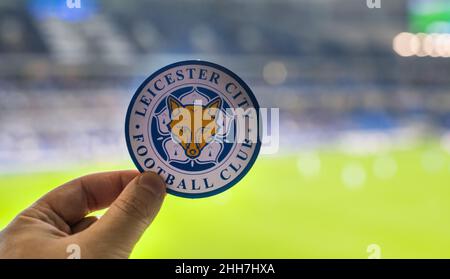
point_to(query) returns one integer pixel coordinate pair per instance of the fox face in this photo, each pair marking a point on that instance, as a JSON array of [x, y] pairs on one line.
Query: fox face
[[193, 126]]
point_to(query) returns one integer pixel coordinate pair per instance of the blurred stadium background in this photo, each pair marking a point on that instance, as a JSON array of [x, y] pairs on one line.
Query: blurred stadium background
[[364, 118]]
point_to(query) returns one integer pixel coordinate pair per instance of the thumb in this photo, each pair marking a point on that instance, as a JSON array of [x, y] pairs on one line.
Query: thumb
[[131, 213]]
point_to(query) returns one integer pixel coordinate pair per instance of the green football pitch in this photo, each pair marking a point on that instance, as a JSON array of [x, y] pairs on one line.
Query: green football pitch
[[301, 205]]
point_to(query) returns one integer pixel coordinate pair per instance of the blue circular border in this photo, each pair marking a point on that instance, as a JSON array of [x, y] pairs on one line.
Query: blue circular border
[[241, 83]]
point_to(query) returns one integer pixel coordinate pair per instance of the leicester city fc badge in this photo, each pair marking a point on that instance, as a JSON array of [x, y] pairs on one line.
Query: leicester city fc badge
[[197, 125]]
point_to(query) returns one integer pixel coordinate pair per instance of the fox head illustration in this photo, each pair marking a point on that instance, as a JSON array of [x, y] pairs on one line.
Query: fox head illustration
[[193, 126]]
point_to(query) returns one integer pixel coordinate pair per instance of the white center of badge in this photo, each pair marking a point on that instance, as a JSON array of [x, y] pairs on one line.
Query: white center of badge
[[197, 125]]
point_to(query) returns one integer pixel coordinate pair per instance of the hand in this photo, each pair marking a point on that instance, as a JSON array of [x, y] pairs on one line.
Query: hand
[[57, 220]]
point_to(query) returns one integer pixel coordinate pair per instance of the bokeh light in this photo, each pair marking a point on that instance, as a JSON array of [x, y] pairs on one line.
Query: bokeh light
[[275, 73], [353, 176], [432, 45], [309, 164]]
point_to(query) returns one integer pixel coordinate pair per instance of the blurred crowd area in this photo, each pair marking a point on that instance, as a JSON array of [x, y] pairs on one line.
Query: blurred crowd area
[[67, 74]]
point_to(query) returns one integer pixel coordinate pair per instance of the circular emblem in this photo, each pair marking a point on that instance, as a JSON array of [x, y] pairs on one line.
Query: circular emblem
[[196, 124]]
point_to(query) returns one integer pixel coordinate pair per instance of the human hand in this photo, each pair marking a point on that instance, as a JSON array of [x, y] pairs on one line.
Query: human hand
[[58, 219]]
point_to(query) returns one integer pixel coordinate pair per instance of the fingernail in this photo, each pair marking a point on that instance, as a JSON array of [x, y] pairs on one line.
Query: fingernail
[[154, 182]]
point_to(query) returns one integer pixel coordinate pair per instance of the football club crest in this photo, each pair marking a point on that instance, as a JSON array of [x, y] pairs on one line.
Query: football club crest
[[197, 125]]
